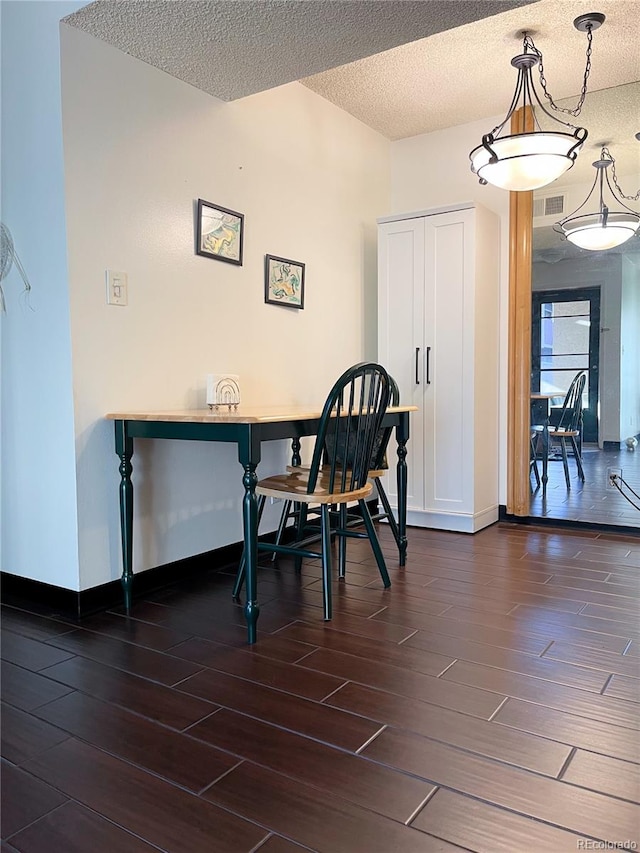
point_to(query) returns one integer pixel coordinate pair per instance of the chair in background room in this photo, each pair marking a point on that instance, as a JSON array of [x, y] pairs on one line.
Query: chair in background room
[[568, 429], [349, 437]]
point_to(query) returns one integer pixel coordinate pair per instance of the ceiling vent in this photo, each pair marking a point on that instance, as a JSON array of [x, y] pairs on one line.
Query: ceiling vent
[[552, 205]]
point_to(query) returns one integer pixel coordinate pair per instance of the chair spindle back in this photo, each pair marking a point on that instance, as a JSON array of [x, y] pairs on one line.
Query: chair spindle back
[[571, 415], [349, 428]]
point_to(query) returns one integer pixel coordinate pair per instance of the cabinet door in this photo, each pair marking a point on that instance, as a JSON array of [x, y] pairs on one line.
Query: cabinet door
[[448, 400], [401, 338]]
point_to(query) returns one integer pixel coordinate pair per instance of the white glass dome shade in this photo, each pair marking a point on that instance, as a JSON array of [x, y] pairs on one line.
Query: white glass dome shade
[[525, 161], [603, 228], [591, 232]]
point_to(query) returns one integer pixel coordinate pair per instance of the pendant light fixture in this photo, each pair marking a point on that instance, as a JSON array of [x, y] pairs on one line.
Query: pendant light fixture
[[528, 161], [610, 223]]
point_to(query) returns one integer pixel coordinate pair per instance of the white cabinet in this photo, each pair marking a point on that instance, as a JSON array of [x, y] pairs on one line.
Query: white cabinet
[[438, 336]]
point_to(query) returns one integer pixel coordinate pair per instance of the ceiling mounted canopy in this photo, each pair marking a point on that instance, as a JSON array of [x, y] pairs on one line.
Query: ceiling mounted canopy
[[528, 161], [609, 222]]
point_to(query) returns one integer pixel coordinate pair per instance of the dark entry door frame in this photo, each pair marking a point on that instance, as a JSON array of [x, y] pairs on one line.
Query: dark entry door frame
[[588, 361]]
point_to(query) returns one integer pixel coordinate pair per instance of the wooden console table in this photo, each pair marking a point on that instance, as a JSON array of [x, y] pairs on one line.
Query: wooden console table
[[247, 427]]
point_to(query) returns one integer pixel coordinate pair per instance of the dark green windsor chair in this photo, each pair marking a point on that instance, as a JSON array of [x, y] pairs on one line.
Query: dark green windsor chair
[[349, 438]]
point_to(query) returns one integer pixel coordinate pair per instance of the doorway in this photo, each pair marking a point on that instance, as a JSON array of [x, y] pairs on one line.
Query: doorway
[[565, 338]]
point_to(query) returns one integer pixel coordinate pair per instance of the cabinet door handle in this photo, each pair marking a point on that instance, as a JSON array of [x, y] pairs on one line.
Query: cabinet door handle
[[417, 361], [428, 366]]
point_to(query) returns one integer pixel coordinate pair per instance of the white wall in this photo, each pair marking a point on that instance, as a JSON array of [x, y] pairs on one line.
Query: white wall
[[140, 148], [630, 347], [432, 170], [39, 524]]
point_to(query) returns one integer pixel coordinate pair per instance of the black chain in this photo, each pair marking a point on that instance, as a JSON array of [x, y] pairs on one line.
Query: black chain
[[615, 177], [583, 93]]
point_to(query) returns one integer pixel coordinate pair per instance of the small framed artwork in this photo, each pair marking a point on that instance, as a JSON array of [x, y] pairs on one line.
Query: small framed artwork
[[283, 282], [219, 232]]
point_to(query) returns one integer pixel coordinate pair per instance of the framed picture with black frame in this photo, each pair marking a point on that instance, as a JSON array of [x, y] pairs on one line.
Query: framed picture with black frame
[[283, 281], [219, 232]]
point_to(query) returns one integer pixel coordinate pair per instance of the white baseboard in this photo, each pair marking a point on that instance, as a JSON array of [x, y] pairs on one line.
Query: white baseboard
[[458, 522]]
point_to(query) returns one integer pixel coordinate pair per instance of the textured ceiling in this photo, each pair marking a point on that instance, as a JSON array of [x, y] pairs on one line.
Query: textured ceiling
[[234, 48], [612, 117], [419, 66], [465, 74]]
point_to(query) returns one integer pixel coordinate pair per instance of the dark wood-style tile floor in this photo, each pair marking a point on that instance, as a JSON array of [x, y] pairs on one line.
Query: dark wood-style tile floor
[[592, 500], [488, 702]]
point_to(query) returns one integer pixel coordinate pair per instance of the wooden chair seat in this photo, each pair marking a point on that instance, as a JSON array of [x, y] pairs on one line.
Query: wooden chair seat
[[291, 508], [558, 433], [293, 486], [379, 472]]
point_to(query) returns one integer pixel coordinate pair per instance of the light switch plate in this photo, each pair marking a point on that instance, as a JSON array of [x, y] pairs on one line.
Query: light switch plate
[[117, 288]]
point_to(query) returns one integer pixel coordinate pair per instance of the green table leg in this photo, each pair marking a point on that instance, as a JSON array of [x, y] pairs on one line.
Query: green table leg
[[124, 449], [249, 455], [402, 436]]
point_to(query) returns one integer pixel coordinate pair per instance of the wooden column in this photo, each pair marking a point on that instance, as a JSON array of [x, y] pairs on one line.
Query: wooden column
[[519, 362]]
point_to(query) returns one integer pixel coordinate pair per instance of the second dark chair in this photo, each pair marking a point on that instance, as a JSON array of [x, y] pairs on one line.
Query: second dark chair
[[379, 467]]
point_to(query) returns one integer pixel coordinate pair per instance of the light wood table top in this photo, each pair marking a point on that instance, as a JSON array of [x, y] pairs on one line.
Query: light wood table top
[[241, 415]]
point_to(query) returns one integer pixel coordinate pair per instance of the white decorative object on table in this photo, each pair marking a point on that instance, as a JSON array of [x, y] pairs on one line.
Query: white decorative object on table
[[223, 389]]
